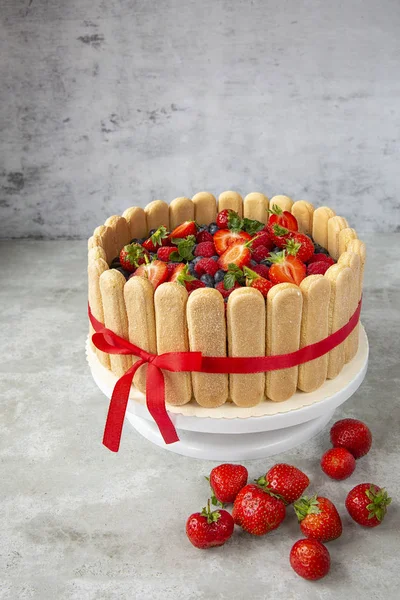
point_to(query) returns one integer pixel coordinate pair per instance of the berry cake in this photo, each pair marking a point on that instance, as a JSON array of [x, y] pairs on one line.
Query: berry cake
[[232, 277]]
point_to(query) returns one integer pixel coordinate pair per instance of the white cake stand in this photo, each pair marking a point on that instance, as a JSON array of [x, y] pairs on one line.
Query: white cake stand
[[232, 434]]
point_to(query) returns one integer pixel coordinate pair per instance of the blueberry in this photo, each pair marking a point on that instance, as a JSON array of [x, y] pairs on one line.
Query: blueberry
[[213, 228], [197, 259], [191, 268], [208, 280], [215, 257], [153, 255], [134, 241], [253, 263], [276, 249], [202, 228], [115, 262], [126, 274], [219, 276], [320, 250]]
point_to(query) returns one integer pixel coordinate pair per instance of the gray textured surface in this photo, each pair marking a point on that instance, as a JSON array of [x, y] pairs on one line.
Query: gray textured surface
[[78, 522], [108, 104]]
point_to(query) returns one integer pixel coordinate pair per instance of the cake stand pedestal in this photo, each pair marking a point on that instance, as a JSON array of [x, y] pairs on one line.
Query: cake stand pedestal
[[222, 435]]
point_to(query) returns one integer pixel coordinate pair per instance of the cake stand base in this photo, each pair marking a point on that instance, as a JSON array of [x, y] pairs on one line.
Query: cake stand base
[[228, 447]]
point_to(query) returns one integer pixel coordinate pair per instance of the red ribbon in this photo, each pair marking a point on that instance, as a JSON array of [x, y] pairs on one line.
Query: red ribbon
[[107, 341]]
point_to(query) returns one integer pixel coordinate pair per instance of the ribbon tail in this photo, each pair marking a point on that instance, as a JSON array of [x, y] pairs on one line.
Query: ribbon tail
[[117, 408], [155, 400]]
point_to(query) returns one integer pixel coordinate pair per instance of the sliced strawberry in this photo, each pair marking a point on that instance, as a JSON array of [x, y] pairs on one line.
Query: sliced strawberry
[[299, 245], [255, 280], [279, 235], [225, 237], [131, 256], [183, 230], [286, 268], [156, 272], [155, 241], [181, 275], [283, 218], [237, 254], [319, 257], [165, 252]]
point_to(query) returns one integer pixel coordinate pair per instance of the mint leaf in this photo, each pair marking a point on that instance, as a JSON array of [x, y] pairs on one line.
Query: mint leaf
[[175, 257], [234, 221], [233, 275], [252, 226], [184, 249], [229, 280]]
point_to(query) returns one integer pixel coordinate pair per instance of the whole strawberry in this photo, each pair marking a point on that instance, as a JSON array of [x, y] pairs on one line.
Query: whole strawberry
[[353, 435], [310, 559], [208, 529], [257, 282], [319, 519], [338, 463], [256, 511], [131, 256], [286, 481], [226, 482], [224, 216], [367, 504]]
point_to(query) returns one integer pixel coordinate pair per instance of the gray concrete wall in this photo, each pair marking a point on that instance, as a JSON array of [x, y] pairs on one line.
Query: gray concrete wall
[[108, 104]]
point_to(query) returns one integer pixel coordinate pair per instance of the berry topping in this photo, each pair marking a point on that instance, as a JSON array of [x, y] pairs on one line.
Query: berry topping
[[262, 238], [318, 268], [224, 291], [299, 245], [205, 249], [255, 280], [279, 235], [219, 276], [131, 256], [183, 230], [204, 236], [260, 253], [165, 252], [223, 218], [321, 257], [225, 237], [206, 266], [156, 272], [213, 228], [286, 268], [261, 270], [237, 254], [155, 240], [283, 218], [208, 280]]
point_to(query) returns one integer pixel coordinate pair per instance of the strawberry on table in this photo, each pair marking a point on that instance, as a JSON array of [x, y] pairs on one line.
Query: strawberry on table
[[300, 245], [183, 230], [319, 518], [225, 237], [338, 463], [353, 435], [237, 254], [155, 240], [283, 218], [287, 481], [257, 282], [310, 559], [367, 504], [226, 482], [256, 511], [156, 272], [131, 256], [207, 529], [286, 268]]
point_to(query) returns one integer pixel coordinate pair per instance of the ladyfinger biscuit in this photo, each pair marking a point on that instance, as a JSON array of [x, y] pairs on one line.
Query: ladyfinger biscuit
[[255, 206], [96, 267], [345, 236], [358, 247], [339, 312], [205, 208], [314, 327], [136, 219], [103, 236], [139, 302], [303, 211], [112, 284], [335, 226], [157, 214], [284, 306], [180, 210], [246, 337], [97, 252], [283, 202], [121, 234], [205, 314], [170, 301], [321, 217], [352, 260], [231, 200]]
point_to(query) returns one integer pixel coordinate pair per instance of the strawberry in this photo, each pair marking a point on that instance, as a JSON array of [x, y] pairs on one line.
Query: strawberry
[[286, 268], [260, 253], [204, 236], [156, 272], [206, 266], [321, 257], [300, 245], [255, 280], [172, 266], [165, 252], [278, 234], [318, 518], [282, 218], [224, 291], [237, 254], [195, 284], [225, 237], [310, 559], [155, 241], [318, 268], [286, 481], [226, 482], [262, 238], [366, 504], [209, 528], [206, 249], [338, 463], [261, 270], [256, 511], [223, 217], [131, 256], [183, 230], [353, 435]]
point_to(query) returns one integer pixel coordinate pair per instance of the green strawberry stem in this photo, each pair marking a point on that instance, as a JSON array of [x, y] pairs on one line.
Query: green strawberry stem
[[292, 247], [250, 277], [379, 501], [264, 484], [306, 506], [212, 516], [277, 257], [275, 210], [279, 230]]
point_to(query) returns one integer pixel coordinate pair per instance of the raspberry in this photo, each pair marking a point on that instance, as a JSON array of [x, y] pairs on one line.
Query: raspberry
[[260, 253], [206, 249], [171, 268], [204, 236], [321, 258], [206, 266], [224, 292], [262, 239], [261, 270], [165, 252], [318, 268], [194, 285]]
